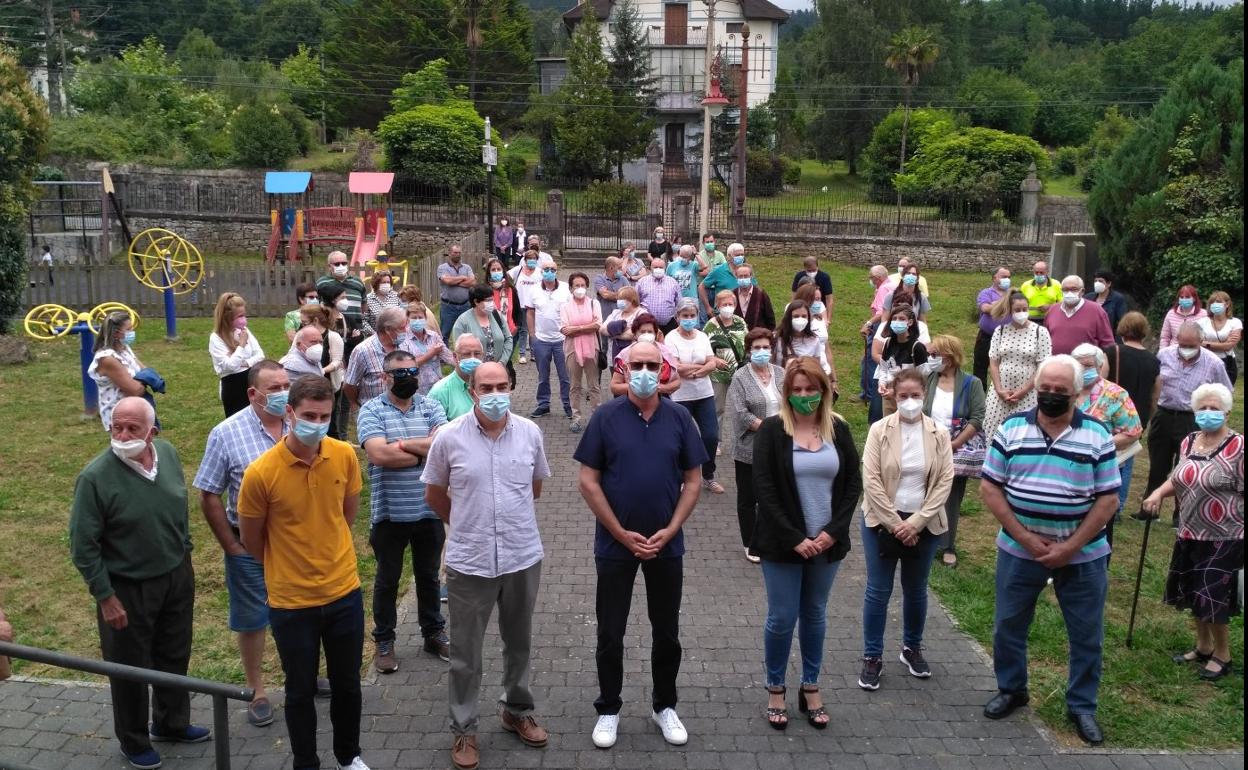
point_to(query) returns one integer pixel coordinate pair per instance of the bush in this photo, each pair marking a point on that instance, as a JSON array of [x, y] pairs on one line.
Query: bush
[[23, 143], [1066, 161], [764, 174], [613, 198], [718, 191], [882, 156], [997, 100], [262, 137], [305, 130], [513, 166], [969, 172], [439, 144], [792, 171]]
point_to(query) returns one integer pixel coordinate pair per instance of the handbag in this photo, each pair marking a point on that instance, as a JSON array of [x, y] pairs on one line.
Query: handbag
[[968, 459], [891, 547]]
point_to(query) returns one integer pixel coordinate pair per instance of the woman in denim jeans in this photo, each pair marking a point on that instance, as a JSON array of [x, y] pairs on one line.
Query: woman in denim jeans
[[907, 471], [807, 481]]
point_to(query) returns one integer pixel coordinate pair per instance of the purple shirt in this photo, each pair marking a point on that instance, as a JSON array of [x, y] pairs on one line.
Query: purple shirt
[[988, 324], [1087, 324], [660, 295], [1178, 380]]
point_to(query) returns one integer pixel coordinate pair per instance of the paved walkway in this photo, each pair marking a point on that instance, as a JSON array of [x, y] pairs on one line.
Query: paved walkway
[[67, 726]]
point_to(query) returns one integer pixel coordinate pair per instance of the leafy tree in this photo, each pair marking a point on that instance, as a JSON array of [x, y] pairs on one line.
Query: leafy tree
[[994, 99], [632, 86], [505, 65], [1108, 134], [586, 120], [910, 53], [1065, 115], [760, 129], [468, 13], [430, 85], [284, 26], [972, 171], [23, 143], [307, 79], [1167, 206], [882, 157], [262, 137]]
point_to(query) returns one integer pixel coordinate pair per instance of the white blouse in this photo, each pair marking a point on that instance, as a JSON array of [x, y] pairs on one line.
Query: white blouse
[[225, 363], [911, 484]]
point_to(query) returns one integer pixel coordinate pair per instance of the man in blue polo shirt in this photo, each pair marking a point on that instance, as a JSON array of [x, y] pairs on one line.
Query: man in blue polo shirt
[[635, 437], [396, 429], [1051, 479]]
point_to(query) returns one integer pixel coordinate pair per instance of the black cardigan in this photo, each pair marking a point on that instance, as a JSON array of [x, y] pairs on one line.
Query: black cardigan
[[780, 525]]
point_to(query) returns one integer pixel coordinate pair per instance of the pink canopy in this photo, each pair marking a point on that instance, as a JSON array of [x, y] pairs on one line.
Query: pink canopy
[[370, 182]]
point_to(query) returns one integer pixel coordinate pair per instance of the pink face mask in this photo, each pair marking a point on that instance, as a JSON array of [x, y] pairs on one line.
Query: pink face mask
[[240, 322]]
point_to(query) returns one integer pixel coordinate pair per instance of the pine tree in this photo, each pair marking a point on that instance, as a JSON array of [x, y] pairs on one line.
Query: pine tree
[[633, 87], [587, 115]]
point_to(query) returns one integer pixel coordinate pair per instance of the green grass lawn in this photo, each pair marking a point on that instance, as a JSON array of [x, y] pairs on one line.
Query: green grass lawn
[[1146, 700], [1067, 186]]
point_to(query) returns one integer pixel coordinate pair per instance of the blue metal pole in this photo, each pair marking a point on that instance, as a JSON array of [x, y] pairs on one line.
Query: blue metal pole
[[86, 352], [171, 318]]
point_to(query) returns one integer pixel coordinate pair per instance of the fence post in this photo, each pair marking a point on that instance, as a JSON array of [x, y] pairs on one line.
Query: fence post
[[1029, 203], [654, 186], [554, 221], [683, 216]]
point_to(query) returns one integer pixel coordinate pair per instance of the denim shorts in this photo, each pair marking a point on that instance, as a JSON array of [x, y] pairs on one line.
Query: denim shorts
[[249, 599]]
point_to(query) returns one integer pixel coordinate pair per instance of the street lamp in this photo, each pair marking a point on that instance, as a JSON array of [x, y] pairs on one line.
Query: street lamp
[[712, 105]]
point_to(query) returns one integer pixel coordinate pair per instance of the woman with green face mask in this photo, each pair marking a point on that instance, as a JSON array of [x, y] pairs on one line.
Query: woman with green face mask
[[807, 482]]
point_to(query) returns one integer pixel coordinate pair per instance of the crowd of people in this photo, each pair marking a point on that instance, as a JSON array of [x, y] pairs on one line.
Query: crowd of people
[[1061, 395]]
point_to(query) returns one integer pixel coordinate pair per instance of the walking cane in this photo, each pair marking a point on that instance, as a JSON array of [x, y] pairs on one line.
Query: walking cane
[[1139, 575]]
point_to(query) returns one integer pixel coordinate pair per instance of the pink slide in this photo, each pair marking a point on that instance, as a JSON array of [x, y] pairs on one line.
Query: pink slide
[[366, 244]]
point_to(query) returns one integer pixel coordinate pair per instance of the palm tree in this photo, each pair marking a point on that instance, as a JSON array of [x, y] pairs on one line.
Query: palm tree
[[910, 53], [469, 13]]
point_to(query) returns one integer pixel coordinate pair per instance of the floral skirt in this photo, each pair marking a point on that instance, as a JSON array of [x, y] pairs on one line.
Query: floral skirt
[[1202, 578]]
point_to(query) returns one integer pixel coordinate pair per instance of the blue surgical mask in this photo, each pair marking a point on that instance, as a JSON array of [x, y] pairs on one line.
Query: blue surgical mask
[[643, 382], [417, 325], [621, 304], [1041, 278], [739, 259], [469, 365], [312, 301], [1217, 308], [310, 433], [898, 327], [910, 280], [1210, 419], [496, 275], [745, 283], [549, 275], [760, 357], [128, 338], [530, 264], [1187, 303], [1090, 376], [399, 338], [275, 403], [817, 308], [688, 324], [495, 405], [1003, 284]]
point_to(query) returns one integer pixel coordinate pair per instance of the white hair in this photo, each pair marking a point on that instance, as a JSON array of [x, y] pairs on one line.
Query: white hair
[[879, 271], [334, 254], [1088, 350], [1074, 279], [142, 404], [391, 318], [735, 248], [1213, 389], [1076, 370], [1189, 326], [687, 250]]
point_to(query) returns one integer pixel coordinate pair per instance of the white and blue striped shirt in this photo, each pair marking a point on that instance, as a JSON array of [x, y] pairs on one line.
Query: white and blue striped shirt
[[232, 445], [398, 494]]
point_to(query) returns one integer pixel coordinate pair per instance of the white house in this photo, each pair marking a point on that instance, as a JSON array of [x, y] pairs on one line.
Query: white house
[[677, 35]]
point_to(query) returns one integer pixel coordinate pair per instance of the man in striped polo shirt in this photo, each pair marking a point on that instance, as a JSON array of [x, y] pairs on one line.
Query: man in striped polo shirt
[[396, 429], [1051, 479]]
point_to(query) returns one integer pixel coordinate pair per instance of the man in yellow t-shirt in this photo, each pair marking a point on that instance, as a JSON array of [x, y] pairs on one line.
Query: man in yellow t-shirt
[[1041, 292], [296, 506]]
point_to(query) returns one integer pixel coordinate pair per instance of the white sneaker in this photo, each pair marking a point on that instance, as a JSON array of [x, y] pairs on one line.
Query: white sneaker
[[673, 731], [605, 731], [356, 764], [524, 360]]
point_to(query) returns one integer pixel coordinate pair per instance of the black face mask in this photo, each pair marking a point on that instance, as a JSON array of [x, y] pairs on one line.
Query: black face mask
[[404, 387], [1053, 404]]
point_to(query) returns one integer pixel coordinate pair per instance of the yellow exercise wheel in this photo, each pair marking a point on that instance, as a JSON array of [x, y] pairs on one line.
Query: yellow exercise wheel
[[161, 259], [95, 319], [47, 322]]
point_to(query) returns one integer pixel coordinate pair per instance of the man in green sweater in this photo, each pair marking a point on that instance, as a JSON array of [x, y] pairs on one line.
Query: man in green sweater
[[130, 539]]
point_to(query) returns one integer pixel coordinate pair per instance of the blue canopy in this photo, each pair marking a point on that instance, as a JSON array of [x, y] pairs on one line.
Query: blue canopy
[[287, 182]]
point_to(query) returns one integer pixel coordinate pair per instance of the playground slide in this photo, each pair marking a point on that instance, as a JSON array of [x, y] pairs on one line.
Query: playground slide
[[366, 244], [275, 239]]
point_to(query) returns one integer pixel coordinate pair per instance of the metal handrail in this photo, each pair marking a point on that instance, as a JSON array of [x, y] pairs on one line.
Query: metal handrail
[[219, 691]]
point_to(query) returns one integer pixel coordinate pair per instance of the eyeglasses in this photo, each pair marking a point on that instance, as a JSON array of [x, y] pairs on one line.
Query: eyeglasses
[[649, 366], [337, 264], [407, 371]]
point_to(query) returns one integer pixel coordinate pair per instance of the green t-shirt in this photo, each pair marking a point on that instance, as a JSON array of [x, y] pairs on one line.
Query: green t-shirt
[[452, 393], [291, 323]]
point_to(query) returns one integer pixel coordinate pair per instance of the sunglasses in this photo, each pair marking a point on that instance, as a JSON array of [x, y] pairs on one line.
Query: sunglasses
[[337, 264], [408, 371], [650, 366]]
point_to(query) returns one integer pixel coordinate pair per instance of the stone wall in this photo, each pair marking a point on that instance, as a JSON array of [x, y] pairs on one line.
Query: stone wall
[[931, 255]]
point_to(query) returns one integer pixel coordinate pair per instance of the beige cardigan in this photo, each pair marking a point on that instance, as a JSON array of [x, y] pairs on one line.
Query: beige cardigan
[[881, 469]]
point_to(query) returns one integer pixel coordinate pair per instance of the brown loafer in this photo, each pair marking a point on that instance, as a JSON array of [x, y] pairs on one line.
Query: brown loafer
[[464, 754], [526, 728]]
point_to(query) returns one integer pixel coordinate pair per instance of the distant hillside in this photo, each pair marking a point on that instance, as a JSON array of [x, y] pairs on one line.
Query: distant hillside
[[558, 5]]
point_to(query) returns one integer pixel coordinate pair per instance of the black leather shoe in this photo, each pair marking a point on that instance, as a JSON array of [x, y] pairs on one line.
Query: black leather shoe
[[1004, 703], [1088, 728]]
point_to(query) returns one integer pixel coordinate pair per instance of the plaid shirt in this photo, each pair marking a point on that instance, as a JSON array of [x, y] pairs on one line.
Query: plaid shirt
[[366, 370], [659, 294], [232, 445]]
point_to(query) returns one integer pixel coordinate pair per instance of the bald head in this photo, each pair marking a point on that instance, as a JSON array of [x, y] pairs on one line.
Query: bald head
[[307, 337], [133, 418], [879, 272]]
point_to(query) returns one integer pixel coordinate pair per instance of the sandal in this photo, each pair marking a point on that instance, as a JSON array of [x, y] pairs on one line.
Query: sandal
[[1193, 655], [949, 559], [817, 717], [778, 718], [1224, 669]]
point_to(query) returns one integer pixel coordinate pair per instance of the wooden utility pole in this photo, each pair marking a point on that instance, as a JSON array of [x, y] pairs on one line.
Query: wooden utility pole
[[743, 106], [49, 56], [704, 216]]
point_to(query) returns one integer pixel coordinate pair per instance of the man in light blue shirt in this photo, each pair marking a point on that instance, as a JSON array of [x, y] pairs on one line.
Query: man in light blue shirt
[[396, 429]]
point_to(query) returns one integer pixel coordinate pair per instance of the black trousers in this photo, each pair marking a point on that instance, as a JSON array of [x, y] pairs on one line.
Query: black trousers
[[1232, 369], [983, 343], [340, 417], [157, 636], [234, 393], [390, 540], [747, 503], [664, 581], [1166, 431]]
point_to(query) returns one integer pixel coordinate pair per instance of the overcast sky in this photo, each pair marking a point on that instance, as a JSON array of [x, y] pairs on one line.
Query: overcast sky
[[796, 5]]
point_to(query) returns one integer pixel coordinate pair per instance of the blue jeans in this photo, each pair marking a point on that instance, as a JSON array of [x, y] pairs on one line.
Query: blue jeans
[[249, 598], [448, 313], [880, 575], [866, 377], [543, 354], [796, 591], [702, 410], [1081, 591], [299, 635], [522, 334], [1124, 473]]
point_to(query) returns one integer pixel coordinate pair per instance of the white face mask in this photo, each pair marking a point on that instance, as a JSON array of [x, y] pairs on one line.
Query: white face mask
[[579, 292], [1021, 317], [1189, 353], [1099, 287], [340, 270], [488, 307], [645, 337], [128, 450], [1071, 298], [727, 311], [384, 288], [910, 408], [313, 353], [799, 324], [342, 305], [812, 273]]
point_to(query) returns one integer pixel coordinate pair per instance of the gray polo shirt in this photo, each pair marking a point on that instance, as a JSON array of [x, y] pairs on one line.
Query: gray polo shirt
[[456, 295]]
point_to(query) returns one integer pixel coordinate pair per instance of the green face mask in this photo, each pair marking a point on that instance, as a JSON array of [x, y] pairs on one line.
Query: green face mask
[[805, 404]]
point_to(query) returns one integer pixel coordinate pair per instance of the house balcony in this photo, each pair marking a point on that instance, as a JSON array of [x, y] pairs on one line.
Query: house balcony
[[659, 36]]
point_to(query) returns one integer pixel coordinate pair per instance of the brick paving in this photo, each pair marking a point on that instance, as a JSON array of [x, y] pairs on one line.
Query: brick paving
[[53, 725]]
